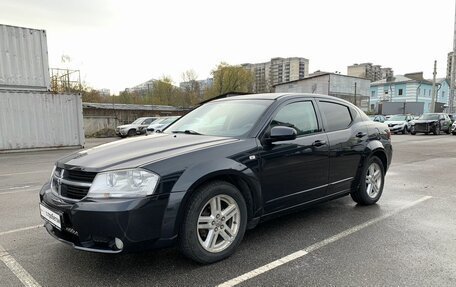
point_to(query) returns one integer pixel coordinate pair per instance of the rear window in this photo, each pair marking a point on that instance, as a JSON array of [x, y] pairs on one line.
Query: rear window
[[337, 116]]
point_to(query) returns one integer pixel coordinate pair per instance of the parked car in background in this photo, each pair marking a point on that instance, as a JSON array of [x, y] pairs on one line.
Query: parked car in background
[[453, 128], [431, 123], [378, 118], [399, 123], [160, 124], [219, 170], [136, 127]]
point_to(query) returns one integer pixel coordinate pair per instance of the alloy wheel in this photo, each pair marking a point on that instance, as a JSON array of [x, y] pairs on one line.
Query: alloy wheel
[[218, 223], [373, 180]]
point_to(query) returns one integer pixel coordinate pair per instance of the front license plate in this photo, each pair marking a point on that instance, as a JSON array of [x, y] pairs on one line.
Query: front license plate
[[50, 216]]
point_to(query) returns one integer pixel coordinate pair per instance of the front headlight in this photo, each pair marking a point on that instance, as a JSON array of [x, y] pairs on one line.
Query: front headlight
[[123, 183]]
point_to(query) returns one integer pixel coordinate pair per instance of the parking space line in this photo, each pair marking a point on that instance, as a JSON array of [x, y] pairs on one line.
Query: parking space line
[[25, 172], [15, 187], [313, 247], [37, 188], [20, 229], [17, 269]]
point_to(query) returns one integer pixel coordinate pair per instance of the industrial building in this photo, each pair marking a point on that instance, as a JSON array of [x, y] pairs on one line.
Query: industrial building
[[352, 89]]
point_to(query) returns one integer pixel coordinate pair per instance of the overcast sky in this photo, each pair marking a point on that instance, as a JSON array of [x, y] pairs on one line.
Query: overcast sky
[[118, 44]]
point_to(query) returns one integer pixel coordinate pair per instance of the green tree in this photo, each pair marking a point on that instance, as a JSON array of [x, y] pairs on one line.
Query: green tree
[[165, 93], [229, 78]]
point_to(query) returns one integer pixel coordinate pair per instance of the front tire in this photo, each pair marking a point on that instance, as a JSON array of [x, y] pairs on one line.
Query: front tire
[[412, 130], [214, 223], [372, 179], [437, 130], [131, 133]]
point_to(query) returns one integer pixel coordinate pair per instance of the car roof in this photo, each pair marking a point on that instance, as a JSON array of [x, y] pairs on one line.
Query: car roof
[[276, 96]]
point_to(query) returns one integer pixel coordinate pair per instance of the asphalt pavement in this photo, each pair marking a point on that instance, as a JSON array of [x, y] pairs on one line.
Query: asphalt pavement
[[407, 239]]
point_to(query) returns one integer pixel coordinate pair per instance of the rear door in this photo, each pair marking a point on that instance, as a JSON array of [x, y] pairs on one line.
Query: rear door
[[347, 142]]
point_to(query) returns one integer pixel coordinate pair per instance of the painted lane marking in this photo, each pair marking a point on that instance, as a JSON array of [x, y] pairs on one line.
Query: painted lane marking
[[25, 172], [315, 246], [21, 229], [17, 269], [23, 190], [15, 187]]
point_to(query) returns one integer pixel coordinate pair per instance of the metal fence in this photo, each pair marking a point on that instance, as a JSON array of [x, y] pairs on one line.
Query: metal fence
[[40, 120]]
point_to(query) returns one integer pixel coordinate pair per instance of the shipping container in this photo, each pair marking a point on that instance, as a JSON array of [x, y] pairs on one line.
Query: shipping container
[[30, 120], [23, 59]]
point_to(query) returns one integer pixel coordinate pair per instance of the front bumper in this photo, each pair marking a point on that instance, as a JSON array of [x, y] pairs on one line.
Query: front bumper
[[423, 128], [93, 224], [120, 132], [396, 128]]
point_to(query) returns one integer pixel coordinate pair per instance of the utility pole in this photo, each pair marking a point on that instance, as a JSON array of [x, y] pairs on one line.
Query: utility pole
[[453, 70], [355, 93], [433, 88]]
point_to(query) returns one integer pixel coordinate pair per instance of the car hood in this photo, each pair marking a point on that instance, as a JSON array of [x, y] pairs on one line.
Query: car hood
[[424, 121], [135, 152], [127, 126], [395, 122]]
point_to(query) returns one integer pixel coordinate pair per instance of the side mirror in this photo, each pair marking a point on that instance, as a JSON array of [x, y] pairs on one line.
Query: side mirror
[[281, 133]]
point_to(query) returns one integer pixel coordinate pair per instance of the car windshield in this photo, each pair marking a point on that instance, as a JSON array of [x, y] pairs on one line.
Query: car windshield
[[429, 117], [230, 118], [397, 118], [157, 122], [168, 120], [138, 121]]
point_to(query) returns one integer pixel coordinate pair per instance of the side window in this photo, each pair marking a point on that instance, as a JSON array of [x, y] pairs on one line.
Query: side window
[[337, 116], [147, 122], [300, 116]]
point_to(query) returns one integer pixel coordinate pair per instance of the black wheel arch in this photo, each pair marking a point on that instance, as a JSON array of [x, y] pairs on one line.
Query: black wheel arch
[[248, 186], [377, 151]]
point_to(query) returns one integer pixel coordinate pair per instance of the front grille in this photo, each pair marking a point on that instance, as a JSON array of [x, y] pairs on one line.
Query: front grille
[[78, 175], [421, 127], [72, 184], [73, 192]]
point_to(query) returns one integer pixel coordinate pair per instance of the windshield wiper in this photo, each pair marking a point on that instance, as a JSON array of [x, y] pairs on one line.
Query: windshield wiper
[[190, 132]]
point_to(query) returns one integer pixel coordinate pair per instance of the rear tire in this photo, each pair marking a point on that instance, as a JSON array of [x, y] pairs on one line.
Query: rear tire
[[371, 183], [214, 223]]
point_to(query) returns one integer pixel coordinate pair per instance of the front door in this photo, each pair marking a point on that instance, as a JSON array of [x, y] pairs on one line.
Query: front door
[[295, 171]]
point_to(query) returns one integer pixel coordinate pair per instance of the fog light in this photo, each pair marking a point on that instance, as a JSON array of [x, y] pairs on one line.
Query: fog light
[[119, 244]]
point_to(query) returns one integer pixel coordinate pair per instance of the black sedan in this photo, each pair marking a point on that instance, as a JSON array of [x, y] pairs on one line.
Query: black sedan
[[219, 170], [431, 122]]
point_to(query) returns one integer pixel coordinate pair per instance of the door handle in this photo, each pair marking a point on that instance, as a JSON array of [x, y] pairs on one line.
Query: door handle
[[361, 134], [318, 143]]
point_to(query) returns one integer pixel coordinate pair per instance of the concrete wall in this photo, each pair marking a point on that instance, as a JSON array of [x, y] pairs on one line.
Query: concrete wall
[[96, 120]]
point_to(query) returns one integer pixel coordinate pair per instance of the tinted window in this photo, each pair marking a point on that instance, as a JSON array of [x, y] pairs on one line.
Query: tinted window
[[337, 116], [148, 121], [300, 116]]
